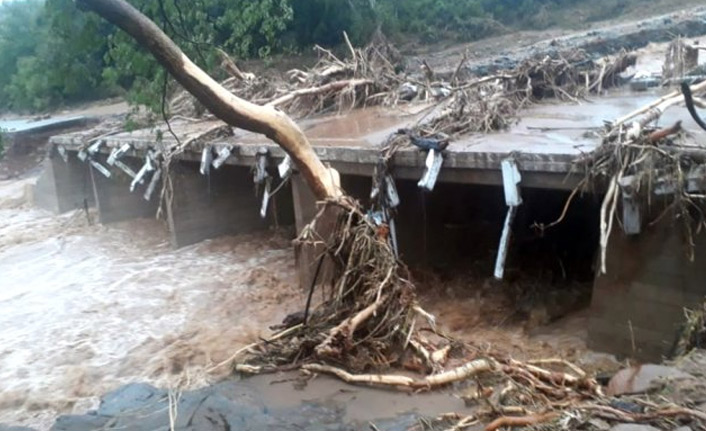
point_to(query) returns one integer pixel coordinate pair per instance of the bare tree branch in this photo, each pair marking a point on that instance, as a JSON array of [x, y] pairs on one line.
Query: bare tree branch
[[265, 120]]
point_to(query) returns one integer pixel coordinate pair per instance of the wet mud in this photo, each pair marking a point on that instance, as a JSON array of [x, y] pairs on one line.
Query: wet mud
[[507, 52]]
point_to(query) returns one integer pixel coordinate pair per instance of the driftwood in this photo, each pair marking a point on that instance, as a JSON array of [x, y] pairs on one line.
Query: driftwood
[[626, 148], [461, 373], [330, 87], [521, 421], [232, 68]]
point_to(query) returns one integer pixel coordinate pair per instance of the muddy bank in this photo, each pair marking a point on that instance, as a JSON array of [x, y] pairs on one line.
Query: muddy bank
[[507, 52], [261, 403], [274, 403]]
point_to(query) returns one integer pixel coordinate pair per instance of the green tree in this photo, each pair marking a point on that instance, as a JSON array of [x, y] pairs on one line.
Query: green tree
[[21, 30], [243, 27]]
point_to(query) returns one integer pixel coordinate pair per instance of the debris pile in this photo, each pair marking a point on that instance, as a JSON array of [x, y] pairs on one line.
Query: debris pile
[[492, 102], [369, 321], [636, 161], [460, 104], [681, 60], [366, 77]]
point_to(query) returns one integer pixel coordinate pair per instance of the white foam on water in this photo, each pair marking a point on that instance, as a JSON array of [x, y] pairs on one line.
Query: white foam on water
[[84, 309]]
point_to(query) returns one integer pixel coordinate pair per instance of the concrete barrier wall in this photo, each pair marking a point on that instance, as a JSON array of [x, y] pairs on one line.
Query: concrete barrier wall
[[63, 186], [638, 306]]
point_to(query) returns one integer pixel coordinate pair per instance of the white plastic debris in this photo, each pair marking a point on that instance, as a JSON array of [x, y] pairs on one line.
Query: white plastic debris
[[634, 131], [504, 243], [96, 146], [407, 91], [125, 168], [116, 154], [82, 155], [265, 199], [260, 166], [206, 159], [139, 178], [223, 154], [100, 168], [632, 217], [393, 198], [433, 168], [513, 199], [63, 153], [285, 167], [153, 184], [511, 182]]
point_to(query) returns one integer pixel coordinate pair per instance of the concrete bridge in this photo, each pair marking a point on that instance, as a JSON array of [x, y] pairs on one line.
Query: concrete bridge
[[636, 309]]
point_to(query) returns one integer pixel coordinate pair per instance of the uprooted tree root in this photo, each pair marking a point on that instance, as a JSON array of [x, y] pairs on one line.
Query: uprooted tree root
[[369, 311]]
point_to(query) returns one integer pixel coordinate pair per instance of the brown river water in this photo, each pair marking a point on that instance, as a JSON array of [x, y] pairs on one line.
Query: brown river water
[[86, 308]]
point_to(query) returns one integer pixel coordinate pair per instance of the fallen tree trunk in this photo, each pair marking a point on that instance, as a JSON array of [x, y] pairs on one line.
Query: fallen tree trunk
[[521, 421], [265, 120], [330, 87], [458, 374]]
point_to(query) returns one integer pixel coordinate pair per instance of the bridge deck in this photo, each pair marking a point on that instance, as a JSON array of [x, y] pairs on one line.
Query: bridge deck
[[546, 141]]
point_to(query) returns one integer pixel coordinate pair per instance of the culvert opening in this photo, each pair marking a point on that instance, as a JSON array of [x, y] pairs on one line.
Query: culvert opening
[[450, 239]]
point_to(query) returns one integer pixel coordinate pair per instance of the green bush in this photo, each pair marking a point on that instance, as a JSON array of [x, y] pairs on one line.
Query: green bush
[[51, 53]]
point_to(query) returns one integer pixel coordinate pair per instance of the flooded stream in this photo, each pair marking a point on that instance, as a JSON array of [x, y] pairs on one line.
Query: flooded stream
[[86, 309]]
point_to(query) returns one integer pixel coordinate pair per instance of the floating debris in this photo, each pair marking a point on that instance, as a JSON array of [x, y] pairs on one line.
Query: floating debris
[[433, 167], [206, 160], [153, 183], [100, 168], [117, 153], [223, 154]]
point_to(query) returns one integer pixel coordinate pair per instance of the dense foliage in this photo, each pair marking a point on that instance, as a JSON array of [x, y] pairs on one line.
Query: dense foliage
[[51, 54]]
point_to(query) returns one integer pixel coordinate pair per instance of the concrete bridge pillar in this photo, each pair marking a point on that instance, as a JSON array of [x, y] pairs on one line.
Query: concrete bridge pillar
[[305, 209], [63, 185], [638, 306]]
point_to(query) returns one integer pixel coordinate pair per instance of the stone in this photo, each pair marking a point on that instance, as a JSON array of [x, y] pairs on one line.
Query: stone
[[400, 423], [684, 428], [129, 398], [14, 428], [599, 424], [693, 363], [81, 423], [643, 378]]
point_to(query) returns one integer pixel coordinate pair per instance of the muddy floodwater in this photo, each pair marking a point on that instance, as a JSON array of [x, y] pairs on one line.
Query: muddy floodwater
[[85, 309]]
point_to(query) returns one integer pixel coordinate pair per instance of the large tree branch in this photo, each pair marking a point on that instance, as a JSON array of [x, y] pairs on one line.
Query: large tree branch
[[265, 120]]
